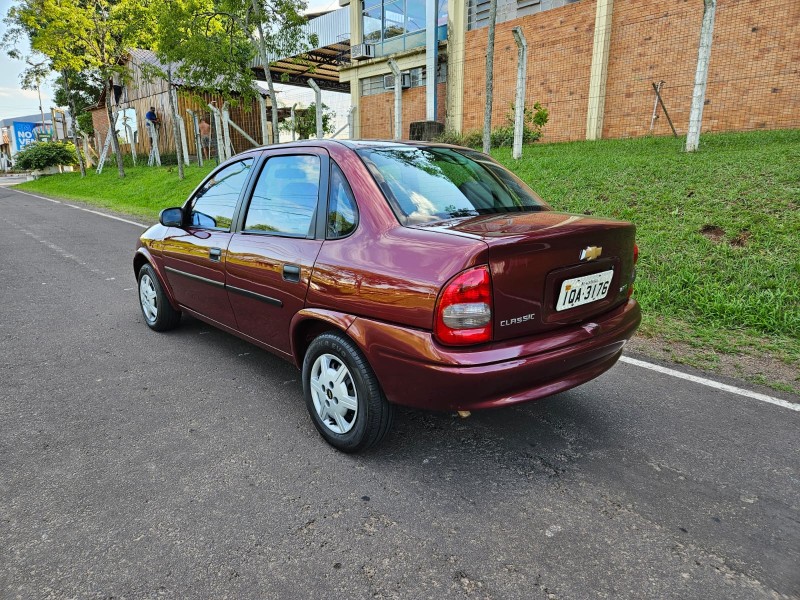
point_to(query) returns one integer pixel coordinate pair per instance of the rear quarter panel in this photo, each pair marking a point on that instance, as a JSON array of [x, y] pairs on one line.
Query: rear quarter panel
[[383, 270]]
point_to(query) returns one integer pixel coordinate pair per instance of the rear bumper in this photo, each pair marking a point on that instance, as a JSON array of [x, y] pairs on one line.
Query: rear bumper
[[416, 371]]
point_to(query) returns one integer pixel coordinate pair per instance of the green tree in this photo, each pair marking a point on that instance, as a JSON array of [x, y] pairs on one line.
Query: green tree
[[38, 70], [305, 123], [79, 91], [215, 41], [78, 36], [195, 47]]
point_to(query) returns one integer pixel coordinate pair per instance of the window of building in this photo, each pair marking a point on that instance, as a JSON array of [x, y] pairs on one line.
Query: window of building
[[507, 10], [375, 85], [397, 25]]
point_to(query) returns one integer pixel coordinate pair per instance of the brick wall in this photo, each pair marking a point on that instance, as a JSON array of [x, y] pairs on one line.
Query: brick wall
[[754, 75], [377, 112], [100, 124], [559, 60]]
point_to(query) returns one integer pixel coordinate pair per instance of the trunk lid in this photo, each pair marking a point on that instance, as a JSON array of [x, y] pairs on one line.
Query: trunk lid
[[534, 256]]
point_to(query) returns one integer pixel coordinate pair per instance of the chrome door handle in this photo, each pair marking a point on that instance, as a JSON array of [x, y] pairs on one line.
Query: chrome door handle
[[291, 273], [215, 254]]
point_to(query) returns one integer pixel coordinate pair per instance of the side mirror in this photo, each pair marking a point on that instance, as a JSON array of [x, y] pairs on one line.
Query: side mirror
[[171, 217]]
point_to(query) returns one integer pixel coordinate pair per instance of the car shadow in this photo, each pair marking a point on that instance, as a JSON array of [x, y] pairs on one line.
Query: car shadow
[[547, 438]]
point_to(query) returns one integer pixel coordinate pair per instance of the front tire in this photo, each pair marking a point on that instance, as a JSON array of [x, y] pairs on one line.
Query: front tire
[[156, 309], [343, 396]]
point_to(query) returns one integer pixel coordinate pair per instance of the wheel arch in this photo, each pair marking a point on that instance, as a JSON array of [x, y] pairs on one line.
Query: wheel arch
[[309, 323], [143, 257]]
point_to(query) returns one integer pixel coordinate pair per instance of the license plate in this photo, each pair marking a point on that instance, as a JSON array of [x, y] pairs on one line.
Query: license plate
[[583, 290]]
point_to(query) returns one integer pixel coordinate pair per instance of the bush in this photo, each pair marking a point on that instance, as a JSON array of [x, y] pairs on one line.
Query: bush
[[470, 139], [535, 119], [41, 155]]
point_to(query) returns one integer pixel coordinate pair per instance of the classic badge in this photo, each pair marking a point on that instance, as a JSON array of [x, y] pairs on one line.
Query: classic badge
[[591, 252]]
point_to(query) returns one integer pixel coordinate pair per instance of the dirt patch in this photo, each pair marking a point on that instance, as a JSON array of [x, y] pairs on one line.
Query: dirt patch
[[713, 232], [740, 241], [763, 370]]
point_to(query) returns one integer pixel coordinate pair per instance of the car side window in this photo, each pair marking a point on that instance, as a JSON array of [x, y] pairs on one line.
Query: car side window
[[214, 204], [342, 209], [285, 196]]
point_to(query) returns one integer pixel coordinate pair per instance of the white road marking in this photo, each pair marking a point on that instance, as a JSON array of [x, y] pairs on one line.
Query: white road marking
[[39, 197], [711, 383], [94, 212]]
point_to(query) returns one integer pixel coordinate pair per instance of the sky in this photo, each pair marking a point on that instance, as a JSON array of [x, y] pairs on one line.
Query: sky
[[16, 102]]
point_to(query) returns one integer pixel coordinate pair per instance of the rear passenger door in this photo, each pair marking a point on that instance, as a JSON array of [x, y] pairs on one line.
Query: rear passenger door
[[280, 232]]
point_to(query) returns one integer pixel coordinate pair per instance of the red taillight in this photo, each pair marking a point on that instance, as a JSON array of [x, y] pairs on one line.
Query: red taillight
[[464, 309], [633, 273]]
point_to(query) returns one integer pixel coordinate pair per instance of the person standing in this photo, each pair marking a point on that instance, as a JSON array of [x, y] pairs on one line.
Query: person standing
[[205, 137], [152, 118]]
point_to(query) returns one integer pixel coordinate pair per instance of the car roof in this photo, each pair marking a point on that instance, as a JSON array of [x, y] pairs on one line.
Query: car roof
[[358, 144]]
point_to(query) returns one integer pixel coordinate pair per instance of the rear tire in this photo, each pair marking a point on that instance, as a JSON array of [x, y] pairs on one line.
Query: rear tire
[[156, 309], [343, 395]]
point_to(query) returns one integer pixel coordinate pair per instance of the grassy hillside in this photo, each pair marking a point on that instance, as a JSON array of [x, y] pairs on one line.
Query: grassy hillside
[[143, 192], [718, 231]]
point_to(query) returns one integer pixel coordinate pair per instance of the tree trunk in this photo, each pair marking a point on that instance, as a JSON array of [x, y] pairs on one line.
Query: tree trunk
[[74, 120], [78, 149], [701, 76], [175, 127], [262, 53], [487, 113], [112, 129]]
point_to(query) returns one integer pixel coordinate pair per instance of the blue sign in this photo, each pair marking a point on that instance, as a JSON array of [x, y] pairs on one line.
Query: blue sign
[[24, 133]]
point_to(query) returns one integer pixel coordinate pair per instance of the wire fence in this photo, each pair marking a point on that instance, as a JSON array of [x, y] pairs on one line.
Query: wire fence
[[753, 81]]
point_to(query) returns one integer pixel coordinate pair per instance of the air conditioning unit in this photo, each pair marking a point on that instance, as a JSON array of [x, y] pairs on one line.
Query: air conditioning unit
[[362, 51], [388, 81]]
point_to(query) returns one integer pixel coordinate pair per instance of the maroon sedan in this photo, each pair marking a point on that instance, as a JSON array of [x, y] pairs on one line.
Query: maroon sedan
[[394, 273]]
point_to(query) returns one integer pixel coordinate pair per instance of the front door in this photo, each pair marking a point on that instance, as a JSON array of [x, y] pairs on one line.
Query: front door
[[195, 254], [271, 258]]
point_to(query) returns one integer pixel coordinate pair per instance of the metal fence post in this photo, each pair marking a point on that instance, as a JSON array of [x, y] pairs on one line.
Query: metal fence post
[[220, 133], [198, 141], [398, 98], [318, 102], [265, 130], [519, 103], [226, 119]]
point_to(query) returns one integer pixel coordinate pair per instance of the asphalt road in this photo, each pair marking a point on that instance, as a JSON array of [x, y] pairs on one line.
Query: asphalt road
[[183, 465]]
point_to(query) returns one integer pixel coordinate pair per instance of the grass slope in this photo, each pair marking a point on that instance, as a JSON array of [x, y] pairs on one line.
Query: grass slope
[[718, 232], [143, 192]]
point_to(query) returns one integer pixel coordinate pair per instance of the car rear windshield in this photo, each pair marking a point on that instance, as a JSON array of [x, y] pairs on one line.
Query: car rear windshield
[[429, 184]]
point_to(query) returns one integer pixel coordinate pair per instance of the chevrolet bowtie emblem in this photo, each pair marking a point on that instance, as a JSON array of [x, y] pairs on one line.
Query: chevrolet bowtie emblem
[[591, 252]]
